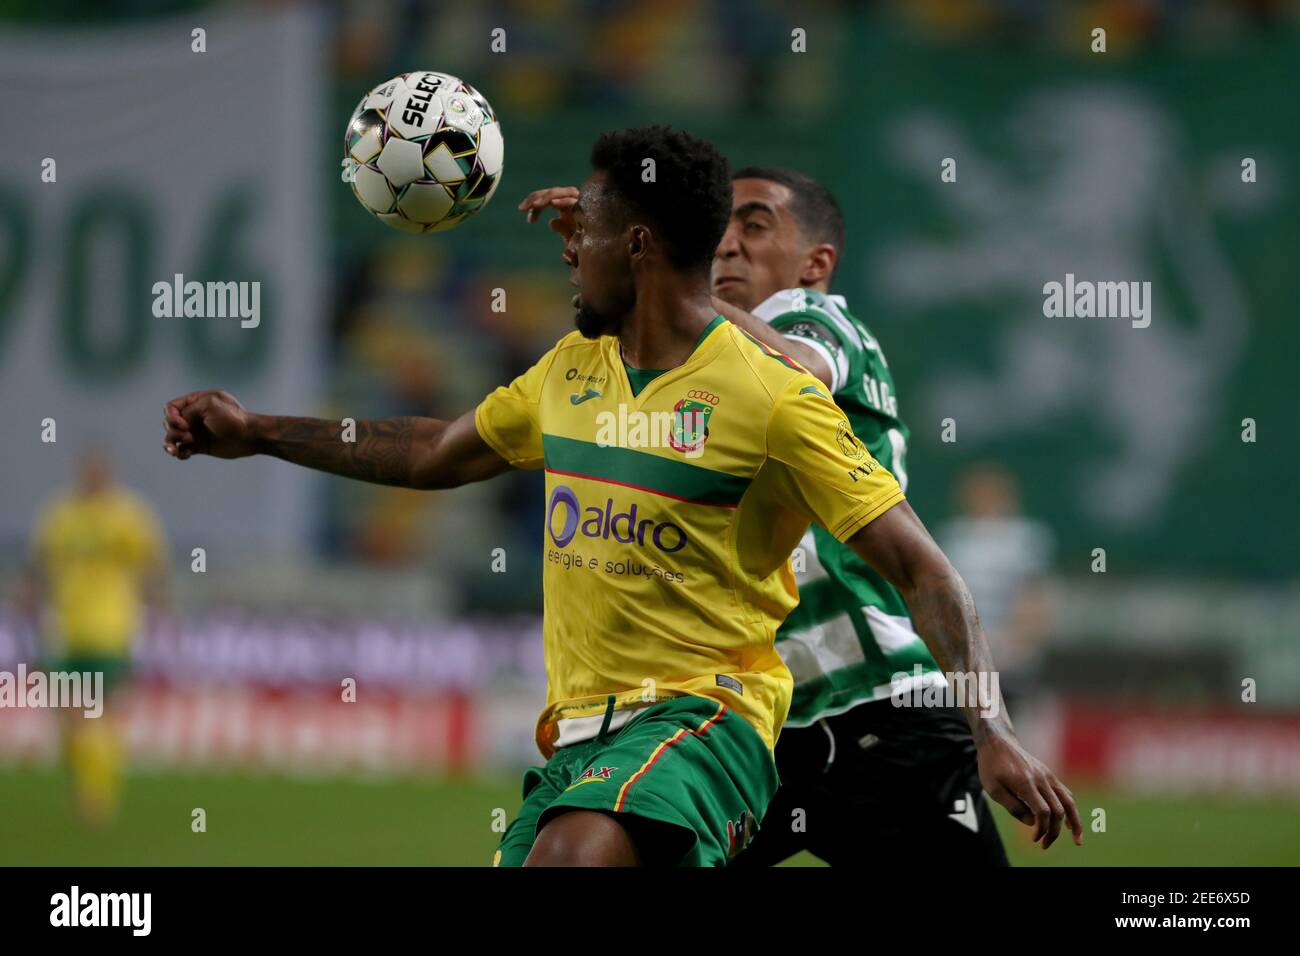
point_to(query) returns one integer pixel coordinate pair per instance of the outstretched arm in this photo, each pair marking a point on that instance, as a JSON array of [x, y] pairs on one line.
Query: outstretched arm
[[422, 453], [898, 546]]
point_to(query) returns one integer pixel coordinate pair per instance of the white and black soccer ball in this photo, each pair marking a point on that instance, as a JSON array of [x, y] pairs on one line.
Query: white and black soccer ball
[[423, 152]]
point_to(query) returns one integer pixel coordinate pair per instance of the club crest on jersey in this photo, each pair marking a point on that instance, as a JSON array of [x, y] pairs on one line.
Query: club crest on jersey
[[691, 422]]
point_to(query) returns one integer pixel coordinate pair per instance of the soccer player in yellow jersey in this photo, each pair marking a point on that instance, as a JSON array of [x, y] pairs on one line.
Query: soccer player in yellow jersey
[[683, 461], [98, 557]]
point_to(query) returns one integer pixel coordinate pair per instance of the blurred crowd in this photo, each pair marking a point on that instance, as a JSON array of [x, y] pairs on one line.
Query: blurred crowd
[[413, 330]]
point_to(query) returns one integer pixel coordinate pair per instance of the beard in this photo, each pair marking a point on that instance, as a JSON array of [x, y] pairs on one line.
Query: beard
[[593, 324]]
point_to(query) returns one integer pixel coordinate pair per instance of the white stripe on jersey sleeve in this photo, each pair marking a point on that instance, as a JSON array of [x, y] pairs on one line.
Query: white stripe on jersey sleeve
[[779, 303], [835, 302], [839, 369]]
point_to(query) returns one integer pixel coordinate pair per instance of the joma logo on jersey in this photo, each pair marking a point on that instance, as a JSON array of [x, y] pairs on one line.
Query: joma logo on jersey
[[604, 523]]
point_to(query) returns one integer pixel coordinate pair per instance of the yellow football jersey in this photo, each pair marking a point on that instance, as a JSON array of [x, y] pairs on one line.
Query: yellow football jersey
[[94, 551], [671, 516]]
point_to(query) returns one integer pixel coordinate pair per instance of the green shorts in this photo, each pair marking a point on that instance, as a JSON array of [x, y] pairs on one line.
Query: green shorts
[[115, 667], [689, 762]]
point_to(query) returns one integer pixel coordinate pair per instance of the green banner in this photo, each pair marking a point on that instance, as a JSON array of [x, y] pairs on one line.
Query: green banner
[[1099, 168]]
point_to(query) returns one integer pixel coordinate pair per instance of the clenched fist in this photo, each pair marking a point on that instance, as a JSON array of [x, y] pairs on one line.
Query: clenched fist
[[209, 423]]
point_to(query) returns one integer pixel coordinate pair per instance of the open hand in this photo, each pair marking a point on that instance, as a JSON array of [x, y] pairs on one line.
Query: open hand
[[560, 198], [1028, 789]]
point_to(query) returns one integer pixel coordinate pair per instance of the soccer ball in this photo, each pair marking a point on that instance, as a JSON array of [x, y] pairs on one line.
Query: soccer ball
[[423, 152]]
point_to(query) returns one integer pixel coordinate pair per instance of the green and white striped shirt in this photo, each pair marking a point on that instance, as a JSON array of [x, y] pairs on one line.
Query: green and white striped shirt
[[851, 632]]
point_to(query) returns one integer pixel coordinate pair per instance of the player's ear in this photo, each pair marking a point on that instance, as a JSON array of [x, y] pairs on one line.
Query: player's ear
[[638, 242], [819, 264]]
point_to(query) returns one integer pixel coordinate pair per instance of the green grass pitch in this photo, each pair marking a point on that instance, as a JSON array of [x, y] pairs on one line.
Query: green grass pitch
[[295, 821]]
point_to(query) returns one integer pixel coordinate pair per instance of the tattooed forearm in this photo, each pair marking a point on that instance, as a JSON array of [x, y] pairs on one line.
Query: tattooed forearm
[[899, 548], [944, 614], [386, 451]]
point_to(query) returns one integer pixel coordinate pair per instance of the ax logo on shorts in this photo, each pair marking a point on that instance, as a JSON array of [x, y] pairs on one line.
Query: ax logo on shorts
[[591, 775], [739, 832]]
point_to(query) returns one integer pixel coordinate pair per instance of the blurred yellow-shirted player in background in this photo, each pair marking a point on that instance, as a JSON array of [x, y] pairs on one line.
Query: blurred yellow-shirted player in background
[[98, 558]]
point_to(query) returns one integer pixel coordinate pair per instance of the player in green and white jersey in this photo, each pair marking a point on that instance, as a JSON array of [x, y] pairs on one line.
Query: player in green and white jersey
[[861, 778], [869, 776], [843, 603]]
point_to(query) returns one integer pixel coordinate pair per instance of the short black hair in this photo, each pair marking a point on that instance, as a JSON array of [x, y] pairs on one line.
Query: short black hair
[[689, 200], [814, 208]]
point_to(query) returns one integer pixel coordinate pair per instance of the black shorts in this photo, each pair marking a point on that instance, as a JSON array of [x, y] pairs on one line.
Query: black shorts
[[878, 784]]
